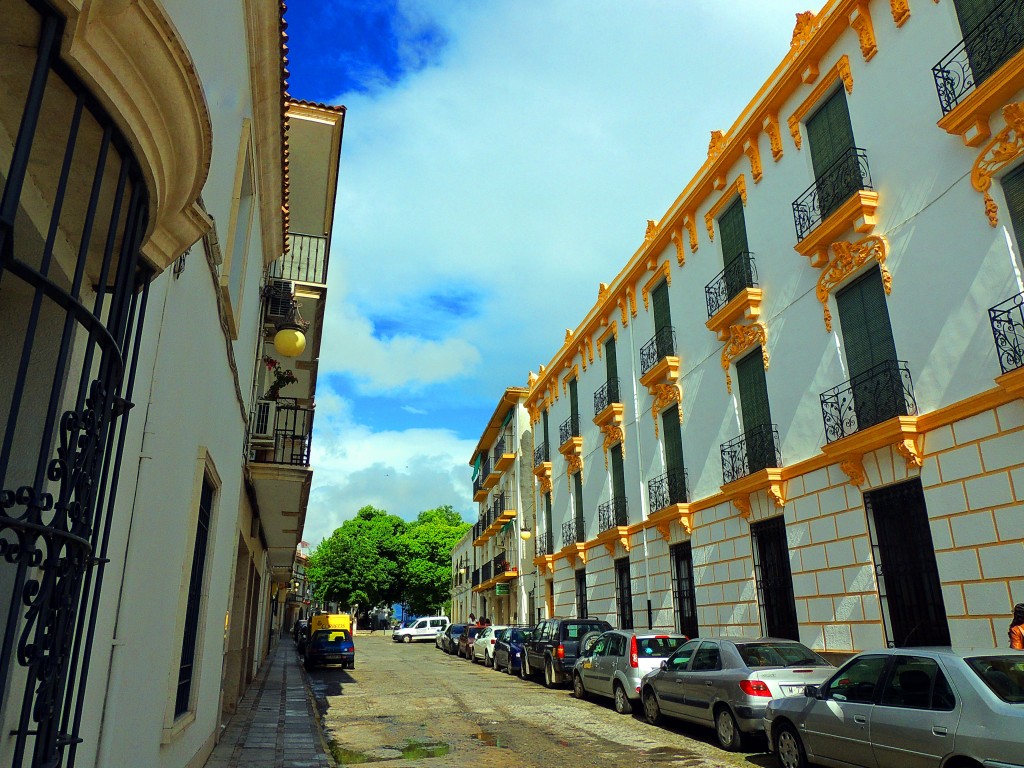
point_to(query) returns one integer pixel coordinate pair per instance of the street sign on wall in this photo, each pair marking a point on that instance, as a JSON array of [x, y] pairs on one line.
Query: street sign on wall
[[501, 588]]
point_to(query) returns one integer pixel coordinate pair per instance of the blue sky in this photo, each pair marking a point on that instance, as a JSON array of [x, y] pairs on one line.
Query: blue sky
[[500, 159]]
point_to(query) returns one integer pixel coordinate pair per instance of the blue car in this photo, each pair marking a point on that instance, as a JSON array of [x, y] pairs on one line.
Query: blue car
[[330, 646], [508, 650]]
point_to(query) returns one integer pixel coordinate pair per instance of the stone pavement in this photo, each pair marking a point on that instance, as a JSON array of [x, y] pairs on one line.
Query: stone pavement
[[274, 726]]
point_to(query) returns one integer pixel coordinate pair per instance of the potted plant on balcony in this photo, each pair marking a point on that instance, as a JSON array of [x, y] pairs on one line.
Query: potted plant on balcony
[[281, 377]]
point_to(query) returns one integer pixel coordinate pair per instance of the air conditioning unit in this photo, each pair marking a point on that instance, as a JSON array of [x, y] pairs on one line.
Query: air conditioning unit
[[279, 300]]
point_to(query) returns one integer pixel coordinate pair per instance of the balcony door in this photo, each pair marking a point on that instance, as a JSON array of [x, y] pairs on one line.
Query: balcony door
[[618, 486], [611, 365], [624, 593], [577, 487], [836, 171], [870, 351], [774, 579], [674, 455], [662, 320], [993, 32], [733, 230], [574, 407], [684, 590], [757, 417]]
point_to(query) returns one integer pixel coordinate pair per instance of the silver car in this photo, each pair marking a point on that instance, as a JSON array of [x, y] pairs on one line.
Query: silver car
[[727, 683], [616, 662], [907, 708]]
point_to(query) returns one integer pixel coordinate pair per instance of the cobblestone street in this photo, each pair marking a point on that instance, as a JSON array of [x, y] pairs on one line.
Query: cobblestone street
[[414, 705]]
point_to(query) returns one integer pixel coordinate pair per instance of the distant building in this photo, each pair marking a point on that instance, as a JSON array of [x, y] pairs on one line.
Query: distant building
[[796, 410]]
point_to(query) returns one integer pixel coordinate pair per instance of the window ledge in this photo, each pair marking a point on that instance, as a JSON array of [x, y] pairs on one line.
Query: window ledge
[[745, 304], [969, 118], [857, 213]]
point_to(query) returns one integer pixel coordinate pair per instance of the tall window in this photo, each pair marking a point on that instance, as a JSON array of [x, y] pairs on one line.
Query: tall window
[[870, 350], [550, 543], [611, 365], [624, 593], [619, 507], [1013, 191], [574, 406], [757, 417], [735, 251], [186, 672], [774, 579], [683, 590], [991, 36], [836, 170], [581, 593], [577, 489], [674, 455], [662, 321]]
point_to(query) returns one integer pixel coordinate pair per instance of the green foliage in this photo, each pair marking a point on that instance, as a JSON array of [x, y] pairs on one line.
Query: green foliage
[[378, 559]]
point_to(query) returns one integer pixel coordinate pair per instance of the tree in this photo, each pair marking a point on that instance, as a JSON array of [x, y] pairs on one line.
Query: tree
[[429, 542]]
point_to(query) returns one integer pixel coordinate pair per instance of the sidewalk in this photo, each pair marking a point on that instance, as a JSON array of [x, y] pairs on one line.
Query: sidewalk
[[274, 726]]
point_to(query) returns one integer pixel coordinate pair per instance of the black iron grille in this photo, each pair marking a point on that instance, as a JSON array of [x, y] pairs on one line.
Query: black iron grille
[[306, 260], [607, 394], [751, 452], [661, 345], [878, 394], [983, 50], [541, 454], [569, 429], [1007, 321], [740, 273], [667, 489], [613, 513], [572, 533], [845, 176]]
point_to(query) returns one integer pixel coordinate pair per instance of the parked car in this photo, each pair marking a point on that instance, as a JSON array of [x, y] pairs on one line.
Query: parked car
[[727, 683], [466, 640], [450, 637], [614, 665], [483, 646], [330, 646], [554, 646], [508, 649], [424, 628], [918, 707], [300, 626]]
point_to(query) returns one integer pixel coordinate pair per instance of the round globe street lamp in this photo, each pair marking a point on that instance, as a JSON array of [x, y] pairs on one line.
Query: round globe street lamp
[[290, 339], [524, 532]]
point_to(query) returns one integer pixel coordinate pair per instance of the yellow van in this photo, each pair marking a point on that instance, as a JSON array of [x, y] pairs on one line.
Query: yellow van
[[330, 621]]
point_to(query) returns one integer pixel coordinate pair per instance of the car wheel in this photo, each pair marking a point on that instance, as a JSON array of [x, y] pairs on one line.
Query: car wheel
[[789, 749], [578, 690], [729, 736], [524, 668], [407, 639], [549, 674], [652, 712], [622, 703], [488, 661]]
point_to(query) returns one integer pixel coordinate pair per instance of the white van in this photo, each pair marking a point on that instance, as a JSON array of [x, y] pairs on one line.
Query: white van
[[425, 628]]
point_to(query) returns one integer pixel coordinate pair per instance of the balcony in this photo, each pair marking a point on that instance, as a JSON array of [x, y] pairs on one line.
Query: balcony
[[280, 432], [572, 533], [754, 450], [879, 394], [546, 543], [606, 395], [973, 61], [481, 484], [306, 260], [542, 466], [1007, 321], [838, 200], [613, 513], [485, 573], [661, 346], [668, 489], [733, 294], [476, 577], [541, 454], [569, 429], [571, 443], [504, 453]]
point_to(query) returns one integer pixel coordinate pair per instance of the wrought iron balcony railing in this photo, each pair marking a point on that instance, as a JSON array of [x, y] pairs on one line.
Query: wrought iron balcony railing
[[570, 428], [572, 532], [845, 176], [541, 454], [983, 50], [667, 489], [501, 564], [485, 466], [607, 394], [751, 452], [612, 513], [477, 530], [497, 506], [661, 345], [740, 273], [476, 577], [306, 260], [485, 572], [290, 428], [546, 543], [478, 483], [504, 445], [1007, 321], [878, 394]]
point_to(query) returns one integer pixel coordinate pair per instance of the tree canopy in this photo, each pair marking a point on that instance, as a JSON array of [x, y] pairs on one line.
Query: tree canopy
[[377, 558]]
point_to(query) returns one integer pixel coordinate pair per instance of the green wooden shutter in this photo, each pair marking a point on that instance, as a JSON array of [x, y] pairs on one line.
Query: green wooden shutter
[[829, 133], [547, 438], [673, 438], [1013, 191], [577, 487], [662, 312], [618, 476], [971, 13], [574, 402], [611, 363], [733, 230], [757, 417], [980, 48]]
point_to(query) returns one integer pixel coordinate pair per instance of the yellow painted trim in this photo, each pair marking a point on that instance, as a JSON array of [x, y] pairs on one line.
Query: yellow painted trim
[[662, 272], [742, 338], [1004, 149], [857, 213], [850, 257], [613, 414], [664, 395], [841, 70], [665, 371], [574, 373], [746, 304], [970, 118], [613, 330], [900, 11], [738, 187]]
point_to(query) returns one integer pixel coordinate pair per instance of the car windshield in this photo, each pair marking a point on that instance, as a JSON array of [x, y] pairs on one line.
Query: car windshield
[[1004, 675], [473, 631], [331, 638], [658, 647], [768, 654], [458, 629], [576, 630], [521, 635]]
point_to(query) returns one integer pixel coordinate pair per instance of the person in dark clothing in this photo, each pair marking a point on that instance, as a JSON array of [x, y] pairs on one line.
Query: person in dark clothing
[[1016, 632]]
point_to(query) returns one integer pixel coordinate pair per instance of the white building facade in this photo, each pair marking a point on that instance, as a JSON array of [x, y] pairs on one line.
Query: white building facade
[[796, 411]]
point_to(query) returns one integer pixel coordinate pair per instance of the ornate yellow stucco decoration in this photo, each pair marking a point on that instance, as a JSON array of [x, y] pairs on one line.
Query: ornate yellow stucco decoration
[[545, 484], [900, 11], [860, 20], [677, 241], [574, 373], [739, 186], [742, 338], [1005, 147], [753, 153], [575, 464], [849, 257], [612, 434], [613, 330], [662, 272], [771, 127], [652, 231], [803, 31], [853, 468], [665, 395], [691, 229], [908, 450], [841, 71], [742, 504], [717, 145], [602, 292]]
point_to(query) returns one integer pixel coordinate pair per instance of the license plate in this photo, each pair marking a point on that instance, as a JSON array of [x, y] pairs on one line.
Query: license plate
[[333, 657], [792, 690]]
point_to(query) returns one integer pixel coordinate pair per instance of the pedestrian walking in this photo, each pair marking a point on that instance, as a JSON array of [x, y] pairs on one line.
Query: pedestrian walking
[[1016, 632]]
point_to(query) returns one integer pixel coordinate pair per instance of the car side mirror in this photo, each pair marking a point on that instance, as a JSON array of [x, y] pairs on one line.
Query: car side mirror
[[812, 692], [664, 665]]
